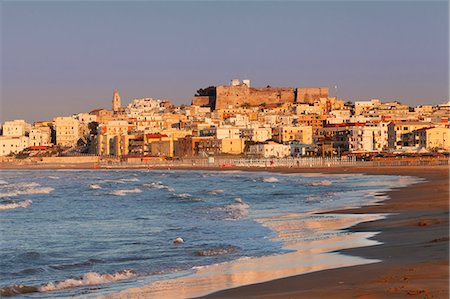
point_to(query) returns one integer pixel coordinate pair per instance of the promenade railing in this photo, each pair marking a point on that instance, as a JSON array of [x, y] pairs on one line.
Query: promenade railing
[[273, 163]]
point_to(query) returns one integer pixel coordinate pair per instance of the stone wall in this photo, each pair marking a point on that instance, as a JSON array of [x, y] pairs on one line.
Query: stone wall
[[234, 96], [310, 94], [242, 96], [271, 96]]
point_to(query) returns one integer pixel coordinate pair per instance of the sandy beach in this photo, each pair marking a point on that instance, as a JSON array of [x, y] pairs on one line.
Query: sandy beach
[[411, 248]]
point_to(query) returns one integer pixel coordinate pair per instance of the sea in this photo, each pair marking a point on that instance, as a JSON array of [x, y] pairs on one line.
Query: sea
[[90, 233]]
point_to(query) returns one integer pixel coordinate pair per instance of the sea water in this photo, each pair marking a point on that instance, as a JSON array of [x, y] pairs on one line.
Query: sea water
[[88, 233]]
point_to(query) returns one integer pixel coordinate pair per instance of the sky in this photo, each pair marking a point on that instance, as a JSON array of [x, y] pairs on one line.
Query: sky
[[64, 57]]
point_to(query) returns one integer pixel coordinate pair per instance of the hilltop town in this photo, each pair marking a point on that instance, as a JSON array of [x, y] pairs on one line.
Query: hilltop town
[[240, 121]]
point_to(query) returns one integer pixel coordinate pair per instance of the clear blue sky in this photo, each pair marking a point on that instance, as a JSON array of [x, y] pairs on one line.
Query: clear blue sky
[[60, 58]]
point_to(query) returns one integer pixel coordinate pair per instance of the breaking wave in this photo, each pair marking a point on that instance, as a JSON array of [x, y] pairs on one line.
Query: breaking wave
[[2, 182], [15, 205], [88, 279], [271, 180], [235, 211], [24, 189], [123, 192], [95, 186]]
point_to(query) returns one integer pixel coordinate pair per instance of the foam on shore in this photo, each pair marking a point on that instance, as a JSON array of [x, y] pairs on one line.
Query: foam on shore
[[123, 192], [88, 279]]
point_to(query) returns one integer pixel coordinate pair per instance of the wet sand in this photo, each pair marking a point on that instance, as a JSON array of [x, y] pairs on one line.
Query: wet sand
[[414, 253]]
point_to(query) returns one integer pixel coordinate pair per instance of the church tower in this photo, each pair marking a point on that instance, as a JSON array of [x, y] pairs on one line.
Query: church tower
[[116, 101]]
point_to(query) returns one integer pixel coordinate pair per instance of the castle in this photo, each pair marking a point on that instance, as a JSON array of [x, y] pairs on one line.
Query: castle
[[239, 94]]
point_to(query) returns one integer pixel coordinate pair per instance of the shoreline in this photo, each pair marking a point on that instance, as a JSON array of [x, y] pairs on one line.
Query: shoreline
[[418, 228], [413, 251]]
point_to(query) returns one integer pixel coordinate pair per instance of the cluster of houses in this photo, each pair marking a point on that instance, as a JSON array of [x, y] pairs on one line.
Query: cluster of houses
[[323, 126]]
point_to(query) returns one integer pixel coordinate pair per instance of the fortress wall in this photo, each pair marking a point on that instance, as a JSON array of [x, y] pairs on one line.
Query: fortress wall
[[310, 94], [237, 96], [271, 96], [232, 95]]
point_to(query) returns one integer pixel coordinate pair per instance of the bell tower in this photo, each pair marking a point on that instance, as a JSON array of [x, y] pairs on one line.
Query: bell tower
[[116, 100]]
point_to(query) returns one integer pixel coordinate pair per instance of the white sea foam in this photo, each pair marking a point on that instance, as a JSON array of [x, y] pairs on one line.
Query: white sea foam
[[15, 205], [25, 185], [25, 189], [321, 183], [123, 192], [271, 180], [95, 186], [183, 195], [156, 185], [2, 182], [53, 177], [130, 180], [236, 210], [90, 278], [215, 191]]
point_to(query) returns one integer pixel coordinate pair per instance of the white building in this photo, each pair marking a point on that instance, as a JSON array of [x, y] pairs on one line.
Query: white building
[[372, 137], [16, 128], [85, 118], [270, 150], [40, 136], [142, 106], [12, 144], [261, 134], [67, 130], [228, 132]]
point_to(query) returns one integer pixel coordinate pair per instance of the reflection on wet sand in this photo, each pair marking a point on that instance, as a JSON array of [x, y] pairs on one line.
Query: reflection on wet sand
[[313, 238]]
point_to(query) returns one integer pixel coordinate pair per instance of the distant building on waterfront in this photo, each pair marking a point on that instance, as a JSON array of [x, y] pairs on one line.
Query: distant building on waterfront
[[16, 128], [67, 131]]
